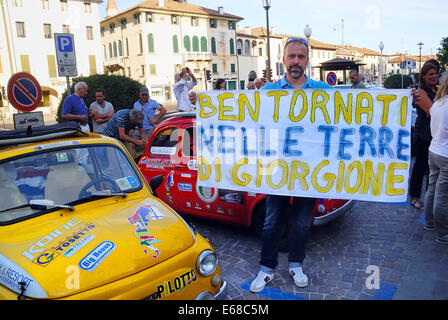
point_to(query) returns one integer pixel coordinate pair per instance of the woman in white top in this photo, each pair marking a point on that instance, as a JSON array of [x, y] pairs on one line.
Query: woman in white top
[[436, 201]]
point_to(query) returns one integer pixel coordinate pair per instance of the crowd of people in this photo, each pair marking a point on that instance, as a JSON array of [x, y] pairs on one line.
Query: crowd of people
[[134, 126]]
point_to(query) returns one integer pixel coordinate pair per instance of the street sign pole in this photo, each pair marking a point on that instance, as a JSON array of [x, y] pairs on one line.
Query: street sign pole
[[69, 91]]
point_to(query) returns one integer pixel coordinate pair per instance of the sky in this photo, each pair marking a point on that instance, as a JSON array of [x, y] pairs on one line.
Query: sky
[[399, 24]]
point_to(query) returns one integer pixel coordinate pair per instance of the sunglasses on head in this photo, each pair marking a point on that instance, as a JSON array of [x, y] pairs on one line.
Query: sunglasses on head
[[294, 39]]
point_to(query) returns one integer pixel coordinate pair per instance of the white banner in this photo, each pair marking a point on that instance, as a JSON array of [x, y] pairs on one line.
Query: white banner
[[340, 144]]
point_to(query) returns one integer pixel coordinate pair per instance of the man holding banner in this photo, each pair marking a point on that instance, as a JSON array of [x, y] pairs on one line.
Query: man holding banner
[[295, 58], [297, 140]]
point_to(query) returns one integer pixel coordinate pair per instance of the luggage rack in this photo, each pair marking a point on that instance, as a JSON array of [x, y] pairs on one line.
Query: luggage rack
[[32, 134]]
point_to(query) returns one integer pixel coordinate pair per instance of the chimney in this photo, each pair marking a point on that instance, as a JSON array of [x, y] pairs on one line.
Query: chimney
[[161, 3], [221, 10], [111, 8], [272, 31]]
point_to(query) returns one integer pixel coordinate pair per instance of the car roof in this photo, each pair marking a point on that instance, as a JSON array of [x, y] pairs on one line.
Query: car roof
[[172, 118], [53, 135]]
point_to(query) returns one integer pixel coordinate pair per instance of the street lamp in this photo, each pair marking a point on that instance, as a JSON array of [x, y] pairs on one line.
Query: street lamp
[[381, 63], [342, 27], [267, 5], [307, 31], [420, 45]]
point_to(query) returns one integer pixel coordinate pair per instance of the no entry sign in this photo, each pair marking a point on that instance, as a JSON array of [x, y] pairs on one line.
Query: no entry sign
[[331, 78], [24, 92]]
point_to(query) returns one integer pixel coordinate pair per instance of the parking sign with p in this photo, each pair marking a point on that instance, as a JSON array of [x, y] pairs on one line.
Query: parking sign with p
[[65, 49]]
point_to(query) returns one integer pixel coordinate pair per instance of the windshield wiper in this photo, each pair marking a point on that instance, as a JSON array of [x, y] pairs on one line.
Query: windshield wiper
[[109, 194], [50, 203]]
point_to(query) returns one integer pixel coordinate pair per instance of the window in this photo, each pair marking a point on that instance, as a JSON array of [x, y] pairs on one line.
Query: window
[[246, 48], [92, 64], [65, 28], [150, 43], [45, 5], [87, 7], [203, 44], [64, 5], [123, 23], [152, 69], [115, 50], [260, 52], [89, 32], [232, 68], [140, 43], [129, 72], [142, 70], [232, 25], [188, 142], [25, 63], [165, 142], [51, 61], [213, 23], [20, 27], [231, 85], [120, 48], [195, 44], [102, 32], [174, 19], [214, 68], [136, 18], [112, 28], [242, 85], [47, 31], [187, 44], [213, 45], [148, 17], [127, 47], [194, 21], [232, 46], [175, 44]]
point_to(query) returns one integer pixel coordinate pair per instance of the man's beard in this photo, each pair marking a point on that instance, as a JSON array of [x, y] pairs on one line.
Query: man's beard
[[295, 74]]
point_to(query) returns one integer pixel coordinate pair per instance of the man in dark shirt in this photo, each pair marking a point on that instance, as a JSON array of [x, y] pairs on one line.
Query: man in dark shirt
[[121, 126]]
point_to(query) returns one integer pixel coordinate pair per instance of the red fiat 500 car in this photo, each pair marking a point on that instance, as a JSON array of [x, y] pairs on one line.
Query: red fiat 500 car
[[171, 152]]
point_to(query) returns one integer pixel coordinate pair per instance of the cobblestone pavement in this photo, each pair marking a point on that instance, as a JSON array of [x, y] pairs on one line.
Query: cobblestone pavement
[[390, 236]]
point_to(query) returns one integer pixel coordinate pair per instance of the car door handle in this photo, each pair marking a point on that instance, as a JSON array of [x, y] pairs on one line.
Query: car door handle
[[180, 166]]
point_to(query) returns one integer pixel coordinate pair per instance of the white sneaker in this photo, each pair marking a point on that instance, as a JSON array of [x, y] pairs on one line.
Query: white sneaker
[[300, 279], [260, 281]]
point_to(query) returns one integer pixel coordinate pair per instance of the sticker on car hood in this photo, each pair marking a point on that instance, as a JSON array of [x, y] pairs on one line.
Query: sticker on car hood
[[12, 275], [94, 258]]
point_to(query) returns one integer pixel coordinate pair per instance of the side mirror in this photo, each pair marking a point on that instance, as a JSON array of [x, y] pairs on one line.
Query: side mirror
[[154, 183]]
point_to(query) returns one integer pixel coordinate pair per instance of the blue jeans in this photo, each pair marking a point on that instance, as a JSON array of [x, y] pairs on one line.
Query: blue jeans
[[298, 216]]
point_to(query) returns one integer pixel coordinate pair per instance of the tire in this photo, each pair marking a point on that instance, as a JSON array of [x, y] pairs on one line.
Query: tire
[[257, 226]]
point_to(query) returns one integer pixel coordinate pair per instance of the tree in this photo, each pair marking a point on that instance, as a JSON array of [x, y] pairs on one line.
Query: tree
[[442, 54], [394, 81], [121, 91]]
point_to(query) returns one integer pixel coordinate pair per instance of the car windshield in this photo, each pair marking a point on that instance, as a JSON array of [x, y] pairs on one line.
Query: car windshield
[[63, 177]]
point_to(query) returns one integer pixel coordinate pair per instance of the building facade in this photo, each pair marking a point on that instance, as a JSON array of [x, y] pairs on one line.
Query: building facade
[[152, 41], [28, 44]]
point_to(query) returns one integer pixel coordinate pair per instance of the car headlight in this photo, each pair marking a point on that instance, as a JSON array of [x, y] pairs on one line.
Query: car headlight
[[206, 263]]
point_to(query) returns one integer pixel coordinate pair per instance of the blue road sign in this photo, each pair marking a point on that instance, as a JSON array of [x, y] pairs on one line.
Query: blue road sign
[[65, 49], [65, 43]]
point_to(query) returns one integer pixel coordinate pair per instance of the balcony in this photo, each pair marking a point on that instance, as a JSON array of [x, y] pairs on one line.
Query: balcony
[[197, 56], [114, 64]]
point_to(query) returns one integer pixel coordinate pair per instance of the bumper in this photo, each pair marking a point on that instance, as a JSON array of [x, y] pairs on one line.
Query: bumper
[[330, 216], [222, 293]]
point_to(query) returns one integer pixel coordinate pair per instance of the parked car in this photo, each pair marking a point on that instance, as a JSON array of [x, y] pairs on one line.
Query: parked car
[[171, 152], [79, 221]]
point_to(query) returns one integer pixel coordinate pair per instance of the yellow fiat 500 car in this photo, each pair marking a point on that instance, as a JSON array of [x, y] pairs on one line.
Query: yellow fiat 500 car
[[78, 221]]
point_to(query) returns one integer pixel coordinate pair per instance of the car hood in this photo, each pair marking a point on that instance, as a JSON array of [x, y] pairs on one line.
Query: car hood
[[89, 247]]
